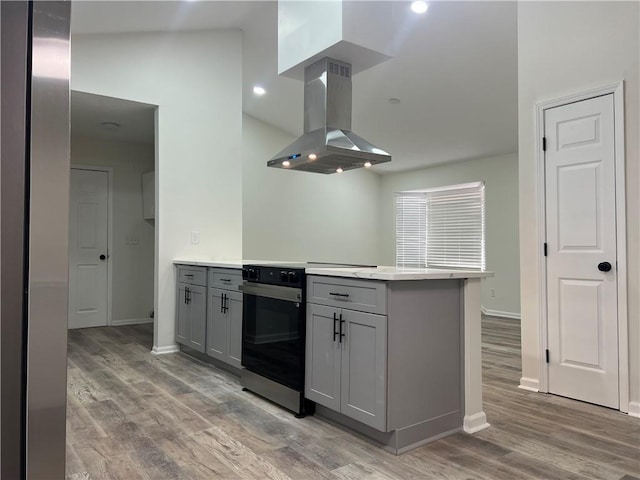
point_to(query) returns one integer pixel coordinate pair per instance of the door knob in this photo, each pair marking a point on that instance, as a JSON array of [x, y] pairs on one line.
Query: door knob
[[604, 266], [103, 257]]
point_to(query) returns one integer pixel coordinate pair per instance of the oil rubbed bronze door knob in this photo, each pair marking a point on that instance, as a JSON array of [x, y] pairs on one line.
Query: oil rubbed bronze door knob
[[604, 266]]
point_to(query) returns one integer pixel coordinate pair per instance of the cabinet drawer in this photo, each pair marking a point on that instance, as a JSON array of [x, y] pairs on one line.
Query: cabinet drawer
[[226, 278], [192, 275], [362, 295]]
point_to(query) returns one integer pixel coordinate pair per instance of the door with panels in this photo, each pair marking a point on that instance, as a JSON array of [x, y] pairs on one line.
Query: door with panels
[[582, 316], [88, 248], [346, 362], [224, 316], [191, 307], [364, 366], [324, 356]]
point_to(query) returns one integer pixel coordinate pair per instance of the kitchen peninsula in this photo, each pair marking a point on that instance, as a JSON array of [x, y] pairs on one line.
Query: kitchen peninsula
[[392, 353]]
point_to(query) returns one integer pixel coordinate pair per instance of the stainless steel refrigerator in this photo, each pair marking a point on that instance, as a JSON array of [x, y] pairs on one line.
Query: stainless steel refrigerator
[[34, 206]]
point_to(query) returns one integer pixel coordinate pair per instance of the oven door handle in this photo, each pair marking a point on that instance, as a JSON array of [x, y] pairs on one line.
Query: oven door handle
[[288, 294]]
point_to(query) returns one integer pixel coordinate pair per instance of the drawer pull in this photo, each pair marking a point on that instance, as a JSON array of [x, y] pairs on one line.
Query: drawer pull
[[343, 295], [188, 275], [228, 280]]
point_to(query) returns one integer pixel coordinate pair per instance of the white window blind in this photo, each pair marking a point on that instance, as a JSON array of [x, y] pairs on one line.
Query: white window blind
[[411, 225], [441, 228]]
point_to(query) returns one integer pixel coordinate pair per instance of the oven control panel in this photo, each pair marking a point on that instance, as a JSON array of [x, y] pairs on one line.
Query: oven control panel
[[274, 275]]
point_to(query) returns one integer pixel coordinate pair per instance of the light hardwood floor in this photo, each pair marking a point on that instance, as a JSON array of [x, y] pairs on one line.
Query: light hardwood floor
[[133, 415]]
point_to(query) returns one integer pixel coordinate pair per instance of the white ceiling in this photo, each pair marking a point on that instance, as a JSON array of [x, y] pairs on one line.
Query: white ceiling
[[135, 120], [455, 73]]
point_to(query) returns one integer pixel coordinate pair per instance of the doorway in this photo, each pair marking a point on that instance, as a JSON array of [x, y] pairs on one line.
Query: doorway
[[112, 139], [584, 337]]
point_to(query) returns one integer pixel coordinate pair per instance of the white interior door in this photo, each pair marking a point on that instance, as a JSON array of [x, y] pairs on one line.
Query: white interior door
[[88, 248], [581, 238]]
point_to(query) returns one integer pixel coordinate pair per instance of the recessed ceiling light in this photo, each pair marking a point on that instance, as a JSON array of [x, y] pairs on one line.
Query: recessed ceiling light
[[110, 126], [419, 6], [339, 170], [367, 164], [258, 90], [394, 101], [286, 163], [312, 156]]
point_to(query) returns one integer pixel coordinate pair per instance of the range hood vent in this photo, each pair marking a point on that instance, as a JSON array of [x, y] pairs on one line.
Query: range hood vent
[[328, 145]]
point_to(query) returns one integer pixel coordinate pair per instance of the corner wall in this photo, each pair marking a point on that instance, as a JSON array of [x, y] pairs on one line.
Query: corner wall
[[302, 216], [566, 48], [500, 175], [195, 78], [132, 267]]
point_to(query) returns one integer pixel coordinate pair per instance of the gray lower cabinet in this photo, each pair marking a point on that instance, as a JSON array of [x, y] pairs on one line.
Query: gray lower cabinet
[[346, 361], [397, 367], [224, 317], [191, 315]]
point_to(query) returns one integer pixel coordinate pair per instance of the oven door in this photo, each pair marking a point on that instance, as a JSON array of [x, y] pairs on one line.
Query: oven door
[[273, 333]]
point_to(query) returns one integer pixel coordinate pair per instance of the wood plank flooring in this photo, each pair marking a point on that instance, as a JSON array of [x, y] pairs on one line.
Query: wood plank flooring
[[133, 415]]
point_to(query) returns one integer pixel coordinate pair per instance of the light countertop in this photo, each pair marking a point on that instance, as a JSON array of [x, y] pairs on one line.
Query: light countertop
[[371, 273], [210, 263], [395, 273], [227, 263]]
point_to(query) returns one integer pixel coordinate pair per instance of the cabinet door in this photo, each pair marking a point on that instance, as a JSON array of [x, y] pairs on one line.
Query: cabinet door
[[234, 304], [322, 366], [217, 325], [198, 304], [182, 314], [364, 368]]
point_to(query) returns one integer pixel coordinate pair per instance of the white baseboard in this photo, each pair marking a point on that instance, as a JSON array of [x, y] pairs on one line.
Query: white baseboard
[[475, 423], [130, 321], [498, 313], [634, 409], [166, 349], [530, 384]]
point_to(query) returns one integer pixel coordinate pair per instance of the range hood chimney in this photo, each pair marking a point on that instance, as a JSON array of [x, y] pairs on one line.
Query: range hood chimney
[[328, 145]]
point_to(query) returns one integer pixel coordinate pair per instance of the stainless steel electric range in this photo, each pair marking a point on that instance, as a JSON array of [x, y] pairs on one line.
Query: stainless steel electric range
[[273, 333]]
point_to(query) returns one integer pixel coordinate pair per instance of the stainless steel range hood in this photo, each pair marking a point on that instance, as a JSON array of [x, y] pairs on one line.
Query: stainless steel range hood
[[328, 145]]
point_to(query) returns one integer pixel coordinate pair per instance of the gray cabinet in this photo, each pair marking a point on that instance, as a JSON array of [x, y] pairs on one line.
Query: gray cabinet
[[191, 315], [224, 317], [364, 368], [398, 367], [346, 362], [324, 356]]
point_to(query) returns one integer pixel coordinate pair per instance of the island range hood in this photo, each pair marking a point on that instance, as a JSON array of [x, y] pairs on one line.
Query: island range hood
[[328, 145]]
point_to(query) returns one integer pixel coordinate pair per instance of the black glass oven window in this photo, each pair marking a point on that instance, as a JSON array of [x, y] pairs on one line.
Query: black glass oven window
[[273, 339]]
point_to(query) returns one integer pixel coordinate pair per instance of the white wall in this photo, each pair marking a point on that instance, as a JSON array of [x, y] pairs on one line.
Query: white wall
[[302, 216], [195, 78], [500, 175], [132, 265], [566, 48]]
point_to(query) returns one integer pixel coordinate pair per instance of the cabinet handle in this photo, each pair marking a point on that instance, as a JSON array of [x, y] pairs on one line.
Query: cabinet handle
[[222, 303], [226, 303], [335, 332], [187, 291], [185, 295], [227, 280], [343, 295], [188, 275], [341, 334]]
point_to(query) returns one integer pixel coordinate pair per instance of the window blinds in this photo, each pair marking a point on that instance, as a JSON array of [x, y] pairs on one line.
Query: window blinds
[[411, 227], [441, 228]]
